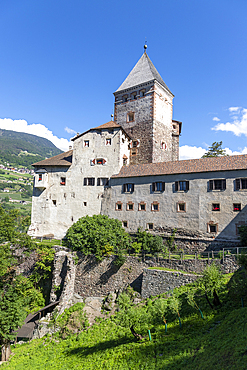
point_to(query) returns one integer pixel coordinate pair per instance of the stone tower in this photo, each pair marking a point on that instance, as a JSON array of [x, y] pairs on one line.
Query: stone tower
[[143, 107]]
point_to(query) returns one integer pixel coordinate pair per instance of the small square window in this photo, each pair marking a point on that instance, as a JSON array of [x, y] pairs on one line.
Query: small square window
[[119, 206], [63, 181], [142, 206], [125, 223], [236, 207], [155, 207], [86, 143], [85, 204], [130, 206], [130, 117], [108, 142], [125, 161], [133, 152], [150, 226], [212, 228], [181, 207], [99, 161], [216, 207]]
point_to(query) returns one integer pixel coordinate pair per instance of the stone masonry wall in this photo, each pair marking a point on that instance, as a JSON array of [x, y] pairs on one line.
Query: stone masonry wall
[[98, 279], [157, 281]]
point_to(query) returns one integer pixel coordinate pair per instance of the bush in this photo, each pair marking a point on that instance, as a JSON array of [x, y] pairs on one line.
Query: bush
[[98, 235]]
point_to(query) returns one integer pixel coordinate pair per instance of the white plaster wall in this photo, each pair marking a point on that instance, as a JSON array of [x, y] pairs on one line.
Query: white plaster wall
[[74, 200], [198, 203], [163, 106]]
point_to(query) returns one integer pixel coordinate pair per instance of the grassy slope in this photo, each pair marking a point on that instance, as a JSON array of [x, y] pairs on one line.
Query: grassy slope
[[218, 342]]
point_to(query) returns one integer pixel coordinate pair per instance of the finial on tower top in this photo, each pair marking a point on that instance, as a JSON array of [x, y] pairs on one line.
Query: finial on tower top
[[112, 117], [145, 46]]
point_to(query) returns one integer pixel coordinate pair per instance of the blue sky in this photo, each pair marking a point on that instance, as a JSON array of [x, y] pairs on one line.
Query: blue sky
[[60, 62]]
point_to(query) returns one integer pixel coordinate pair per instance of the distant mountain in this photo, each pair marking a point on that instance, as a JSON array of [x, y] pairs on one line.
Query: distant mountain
[[21, 149]]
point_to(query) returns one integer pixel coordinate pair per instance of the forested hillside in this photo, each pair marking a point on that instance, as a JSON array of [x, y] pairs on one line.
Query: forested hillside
[[21, 149]]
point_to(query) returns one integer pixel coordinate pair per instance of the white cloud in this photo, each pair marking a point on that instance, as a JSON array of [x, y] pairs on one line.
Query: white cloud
[[234, 109], [191, 152], [70, 131], [216, 119], [38, 129], [238, 125], [235, 152]]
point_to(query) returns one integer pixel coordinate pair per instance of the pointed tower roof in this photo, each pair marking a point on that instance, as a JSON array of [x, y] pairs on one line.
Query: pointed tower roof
[[143, 71]]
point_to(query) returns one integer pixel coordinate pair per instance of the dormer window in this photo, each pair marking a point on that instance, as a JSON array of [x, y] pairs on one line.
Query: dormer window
[[108, 142], [40, 177], [130, 117], [142, 93], [86, 143]]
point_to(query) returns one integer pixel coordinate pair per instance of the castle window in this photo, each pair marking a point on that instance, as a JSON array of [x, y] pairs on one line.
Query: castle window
[[130, 206], [130, 117], [181, 185], [163, 145], [100, 161], [119, 206], [142, 206], [155, 207], [125, 223], [158, 186], [236, 207], [217, 184], [134, 95], [85, 204], [216, 207], [181, 207], [128, 188], [241, 184], [108, 142], [150, 226], [102, 181], [125, 161], [54, 202], [142, 93], [125, 98], [63, 181], [212, 227], [133, 151], [86, 143], [89, 181], [40, 177]]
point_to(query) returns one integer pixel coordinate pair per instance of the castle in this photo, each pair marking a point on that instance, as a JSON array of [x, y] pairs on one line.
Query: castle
[[129, 169]]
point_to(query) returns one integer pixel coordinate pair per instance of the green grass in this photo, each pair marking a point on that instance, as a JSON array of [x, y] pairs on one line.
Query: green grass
[[218, 342]]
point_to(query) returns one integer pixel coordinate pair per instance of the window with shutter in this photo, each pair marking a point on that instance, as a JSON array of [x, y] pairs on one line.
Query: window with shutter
[[128, 188], [182, 185], [158, 186], [217, 184]]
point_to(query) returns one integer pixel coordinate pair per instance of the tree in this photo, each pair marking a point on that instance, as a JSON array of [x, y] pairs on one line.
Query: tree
[[210, 283], [215, 150], [98, 235], [17, 293]]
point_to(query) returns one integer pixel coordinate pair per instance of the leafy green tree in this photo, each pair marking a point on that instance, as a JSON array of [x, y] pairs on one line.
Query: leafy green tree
[[8, 224], [96, 234], [149, 242], [215, 150], [17, 297], [210, 283]]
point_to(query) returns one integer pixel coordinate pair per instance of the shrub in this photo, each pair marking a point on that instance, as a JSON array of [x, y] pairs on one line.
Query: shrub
[[98, 235]]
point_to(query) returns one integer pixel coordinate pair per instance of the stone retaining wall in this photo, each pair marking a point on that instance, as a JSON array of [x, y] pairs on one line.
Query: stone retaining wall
[[98, 279], [159, 281]]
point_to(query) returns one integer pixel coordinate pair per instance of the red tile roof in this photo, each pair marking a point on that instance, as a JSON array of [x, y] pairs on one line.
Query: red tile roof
[[226, 163], [63, 159]]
